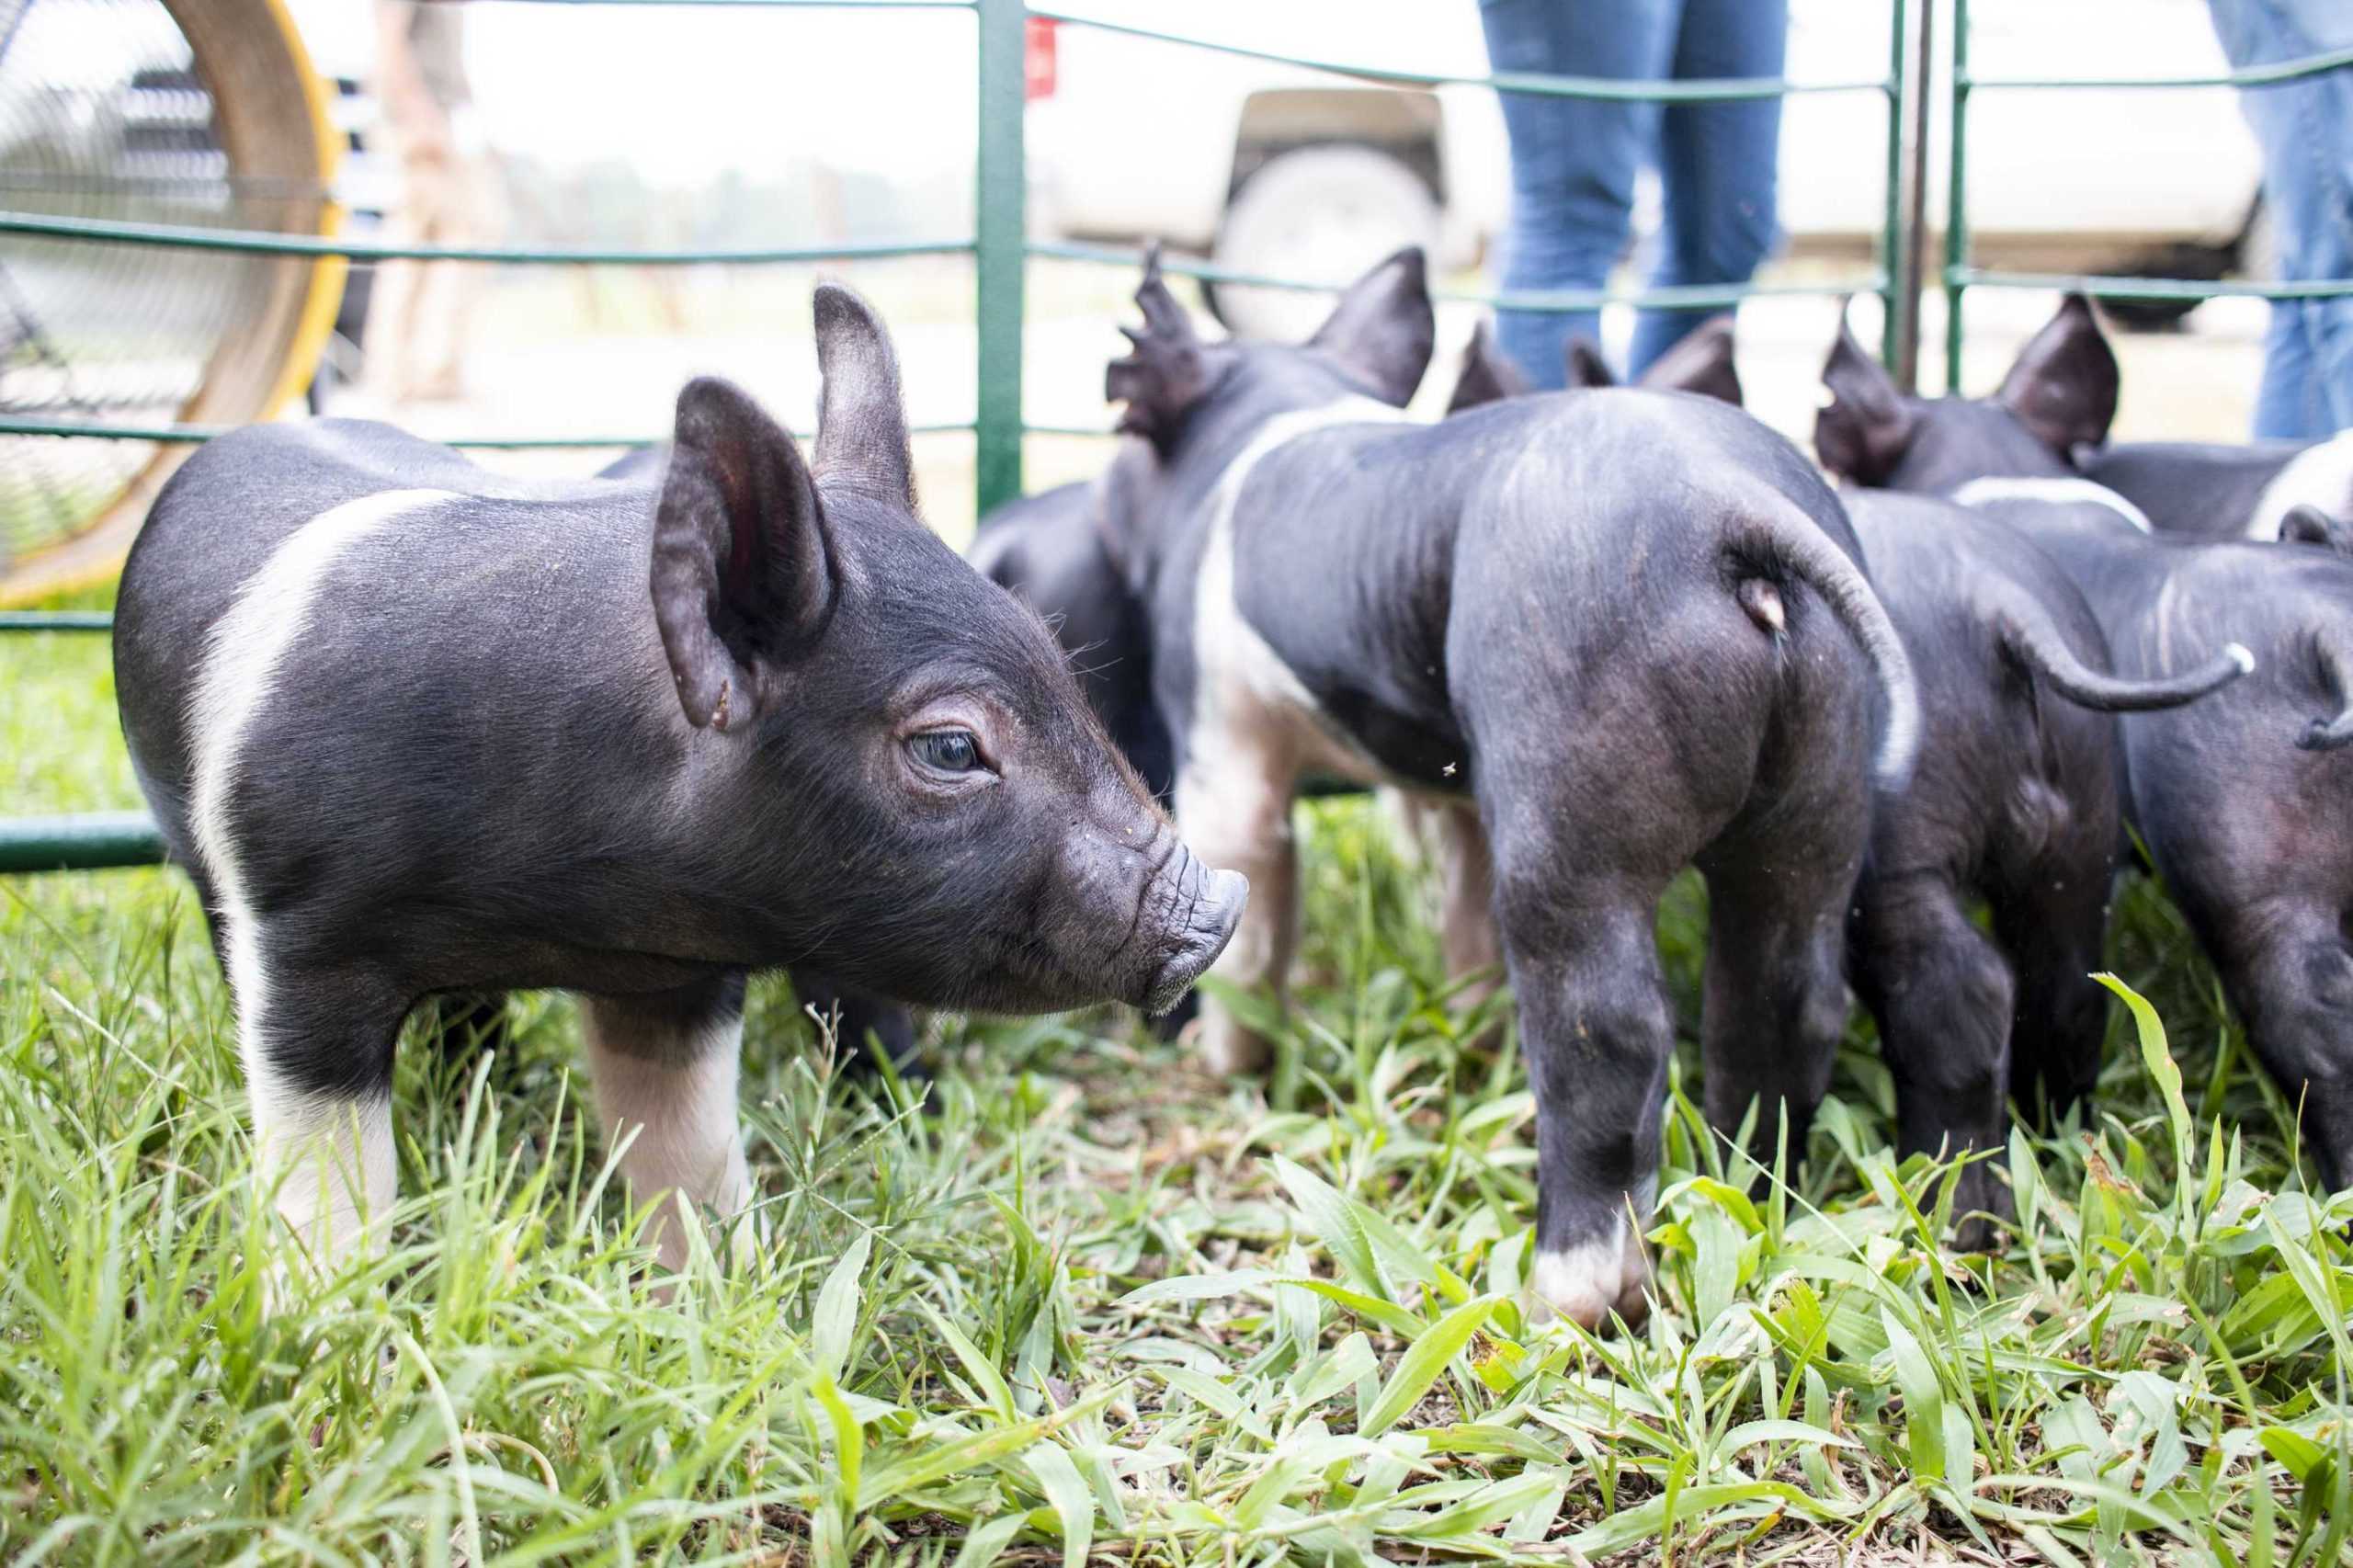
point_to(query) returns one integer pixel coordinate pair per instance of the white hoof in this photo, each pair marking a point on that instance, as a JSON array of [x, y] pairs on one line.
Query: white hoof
[[1227, 1047], [1585, 1283]]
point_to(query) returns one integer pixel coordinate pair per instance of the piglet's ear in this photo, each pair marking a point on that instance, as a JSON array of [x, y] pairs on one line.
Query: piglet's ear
[[1700, 361], [2064, 386], [1486, 376], [1383, 328], [1170, 370], [1863, 431], [742, 574], [1586, 368], [861, 422]]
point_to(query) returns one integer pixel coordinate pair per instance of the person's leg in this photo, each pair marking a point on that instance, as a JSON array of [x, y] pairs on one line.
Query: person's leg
[[2307, 387], [385, 346], [2322, 25], [1573, 160], [472, 216], [1717, 164], [2285, 405], [406, 304], [432, 348]]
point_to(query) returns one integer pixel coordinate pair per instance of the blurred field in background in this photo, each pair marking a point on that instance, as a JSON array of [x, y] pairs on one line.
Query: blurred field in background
[[605, 349]]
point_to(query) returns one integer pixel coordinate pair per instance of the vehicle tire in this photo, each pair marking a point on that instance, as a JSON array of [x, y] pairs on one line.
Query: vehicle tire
[[1323, 214]]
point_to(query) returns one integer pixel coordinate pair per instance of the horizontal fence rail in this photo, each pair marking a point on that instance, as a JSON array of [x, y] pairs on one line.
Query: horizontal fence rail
[[88, 841], [1688, 297], [196, 435], [2252, 77], [56, 620], [2116, 288], [1611, 88], [262, 242], [999, 247]]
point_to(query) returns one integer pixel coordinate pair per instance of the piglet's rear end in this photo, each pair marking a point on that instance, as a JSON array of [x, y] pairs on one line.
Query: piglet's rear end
[[414, 727]]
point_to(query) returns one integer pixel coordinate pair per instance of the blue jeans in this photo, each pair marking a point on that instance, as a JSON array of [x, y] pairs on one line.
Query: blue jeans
[[1574, 160], [2305, 129]]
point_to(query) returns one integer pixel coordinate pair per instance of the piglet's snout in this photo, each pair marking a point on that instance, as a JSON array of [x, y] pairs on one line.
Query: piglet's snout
[[1207, 907]]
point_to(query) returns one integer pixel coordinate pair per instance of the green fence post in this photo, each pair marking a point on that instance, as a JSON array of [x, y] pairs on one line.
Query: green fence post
[[1000, 231], [1956, 197], [1891, 240]]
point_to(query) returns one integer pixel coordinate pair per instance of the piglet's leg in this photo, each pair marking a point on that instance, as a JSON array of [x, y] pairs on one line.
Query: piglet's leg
[[2289, 969], [316, 1043], [2055, 932], [1775, 993], [1597, 1030], [1582, 847], [1942, 994], [1467, 899], [665, 1067], [1234, 799]]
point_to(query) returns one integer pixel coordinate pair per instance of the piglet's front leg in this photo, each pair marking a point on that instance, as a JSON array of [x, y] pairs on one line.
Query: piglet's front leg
[[1234, 802], [664, 1068]]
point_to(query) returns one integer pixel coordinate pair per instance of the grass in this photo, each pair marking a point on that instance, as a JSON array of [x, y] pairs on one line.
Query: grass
[[1075, 1301]]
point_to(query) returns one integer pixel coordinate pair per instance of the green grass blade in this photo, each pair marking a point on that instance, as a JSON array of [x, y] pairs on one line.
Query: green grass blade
[[1425, 1361]]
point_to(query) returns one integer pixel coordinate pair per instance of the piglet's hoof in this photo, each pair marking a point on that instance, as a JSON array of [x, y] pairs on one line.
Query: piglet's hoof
[[1586, 1282], [1226, 1047], [1981, 1205]]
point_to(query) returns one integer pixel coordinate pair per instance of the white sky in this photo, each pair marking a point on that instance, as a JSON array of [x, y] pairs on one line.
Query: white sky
[[683, 91]]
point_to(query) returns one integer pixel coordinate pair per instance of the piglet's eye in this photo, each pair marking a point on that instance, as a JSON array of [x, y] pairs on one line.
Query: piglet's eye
[[947, 751]]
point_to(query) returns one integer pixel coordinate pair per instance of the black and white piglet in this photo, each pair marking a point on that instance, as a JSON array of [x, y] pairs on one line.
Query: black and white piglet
[[2012, 804], [2062, 396], [413, 727], [2298, 491], [1050, 550], [2244, 799], [1621, 634]]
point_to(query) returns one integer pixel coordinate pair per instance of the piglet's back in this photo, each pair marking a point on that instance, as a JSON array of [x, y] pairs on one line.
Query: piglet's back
[[395, 555]]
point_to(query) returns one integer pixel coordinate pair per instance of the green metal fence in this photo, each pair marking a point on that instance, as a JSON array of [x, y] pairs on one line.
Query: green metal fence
[[1000, 248], [1959, 276]]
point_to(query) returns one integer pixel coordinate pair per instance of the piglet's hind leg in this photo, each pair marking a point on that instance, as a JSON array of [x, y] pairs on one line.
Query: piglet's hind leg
[[2055, 934], [2291, 971], [1467, 918], [1941, 993], [1597, 1030]]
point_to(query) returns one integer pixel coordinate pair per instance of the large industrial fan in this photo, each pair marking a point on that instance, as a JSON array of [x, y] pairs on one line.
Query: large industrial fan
[[180, 112]]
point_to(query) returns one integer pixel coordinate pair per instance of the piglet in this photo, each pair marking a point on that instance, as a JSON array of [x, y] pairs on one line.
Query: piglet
[[2049, 421], [2243, 799], [412, 728], [2012, 804], [1614, 636], [1050, 549]]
